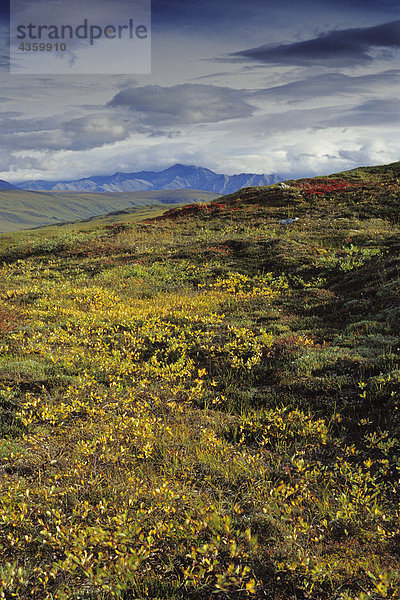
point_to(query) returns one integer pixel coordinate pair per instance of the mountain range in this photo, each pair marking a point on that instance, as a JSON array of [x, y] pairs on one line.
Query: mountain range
[[176, 177]]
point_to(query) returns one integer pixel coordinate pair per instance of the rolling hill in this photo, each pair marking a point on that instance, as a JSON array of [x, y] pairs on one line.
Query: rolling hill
[[4, 185], [25, 209], [368, 191]]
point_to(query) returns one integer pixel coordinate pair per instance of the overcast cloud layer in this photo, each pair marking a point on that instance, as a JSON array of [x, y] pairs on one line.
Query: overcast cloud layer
[[267, 87]]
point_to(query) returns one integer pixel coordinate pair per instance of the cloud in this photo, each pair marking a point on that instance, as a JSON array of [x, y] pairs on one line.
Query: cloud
[[330, 84], [80, 133], [336, 48], [4, 44], [373, 113], [183, 104], [94, 130]]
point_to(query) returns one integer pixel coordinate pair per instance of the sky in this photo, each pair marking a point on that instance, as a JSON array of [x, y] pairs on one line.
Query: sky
[[292, 88]]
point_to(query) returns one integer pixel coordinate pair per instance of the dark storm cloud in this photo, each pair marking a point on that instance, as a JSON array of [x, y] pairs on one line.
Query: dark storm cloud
[[209, 14], [337, 48], [4, 9], [184, 104], [4, 44]]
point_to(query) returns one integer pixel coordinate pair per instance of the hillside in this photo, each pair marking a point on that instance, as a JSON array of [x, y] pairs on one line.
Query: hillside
[[205, 405], [4, 185], [175, 177], [366, 192], [25, 209]]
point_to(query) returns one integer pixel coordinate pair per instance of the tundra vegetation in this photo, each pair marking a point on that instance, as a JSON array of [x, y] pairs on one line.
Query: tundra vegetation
[[206, 404]]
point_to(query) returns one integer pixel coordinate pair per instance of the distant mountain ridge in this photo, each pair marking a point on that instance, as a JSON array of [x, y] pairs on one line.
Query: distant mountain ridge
[[176, 177]]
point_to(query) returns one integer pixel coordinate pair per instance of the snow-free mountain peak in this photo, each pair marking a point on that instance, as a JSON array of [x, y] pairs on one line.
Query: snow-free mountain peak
[[177, 176]]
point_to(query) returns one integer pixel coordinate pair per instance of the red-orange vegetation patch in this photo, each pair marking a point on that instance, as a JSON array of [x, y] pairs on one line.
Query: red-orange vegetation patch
[[10, 319], [320, 186], [291, 345], [213, 208]]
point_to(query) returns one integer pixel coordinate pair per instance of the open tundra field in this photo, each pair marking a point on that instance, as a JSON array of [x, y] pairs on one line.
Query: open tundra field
[[205, 405], [23, 209]]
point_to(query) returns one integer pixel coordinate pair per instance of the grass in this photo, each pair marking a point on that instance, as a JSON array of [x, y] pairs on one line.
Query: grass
[[205, 404], [23, 209]]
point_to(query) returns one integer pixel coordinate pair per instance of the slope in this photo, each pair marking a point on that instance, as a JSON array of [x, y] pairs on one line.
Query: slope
[[206, 405], [25, 209]]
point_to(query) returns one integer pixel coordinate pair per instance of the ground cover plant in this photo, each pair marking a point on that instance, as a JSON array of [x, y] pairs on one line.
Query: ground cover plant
[[206, 404], [26, 209]]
